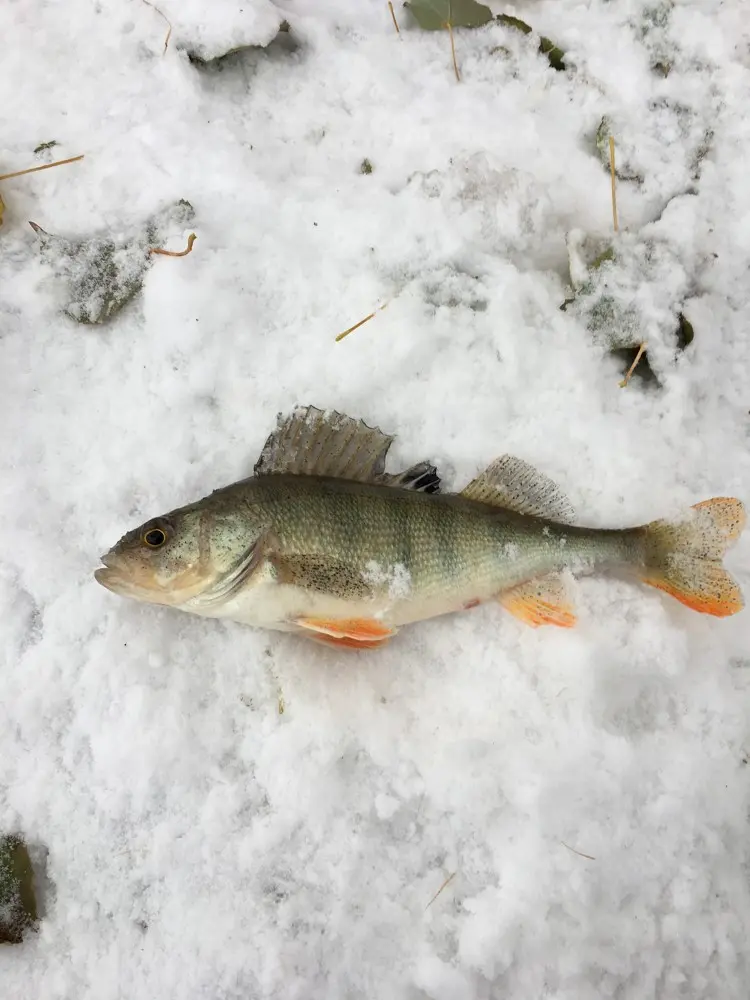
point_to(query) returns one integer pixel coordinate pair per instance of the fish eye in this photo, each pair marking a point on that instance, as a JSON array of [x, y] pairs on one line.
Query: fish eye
[[154, 538]]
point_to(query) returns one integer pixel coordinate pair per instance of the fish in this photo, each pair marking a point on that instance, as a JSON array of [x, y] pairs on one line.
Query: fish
[[323, 542]]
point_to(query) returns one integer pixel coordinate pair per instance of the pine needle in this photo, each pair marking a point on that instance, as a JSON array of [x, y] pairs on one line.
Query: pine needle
[[614, 179], [169, 23], [176, 253], [579, 853], [443, 886], [636, 359], [45, 166], [393, 15], [362, 322]]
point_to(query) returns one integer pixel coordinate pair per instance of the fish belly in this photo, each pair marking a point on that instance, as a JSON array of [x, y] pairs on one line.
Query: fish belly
[[268, 604]]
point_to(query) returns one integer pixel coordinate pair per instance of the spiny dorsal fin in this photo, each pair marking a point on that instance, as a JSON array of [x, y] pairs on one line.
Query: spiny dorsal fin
[[421, 477], [313, 442], [514, 484]]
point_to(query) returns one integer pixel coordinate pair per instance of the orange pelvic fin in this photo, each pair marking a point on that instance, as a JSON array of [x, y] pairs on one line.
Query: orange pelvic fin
[[541, 602], [352, 633], [345, 642]]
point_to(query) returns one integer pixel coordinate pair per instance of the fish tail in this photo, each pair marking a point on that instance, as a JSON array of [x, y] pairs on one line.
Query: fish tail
[[684, 557]]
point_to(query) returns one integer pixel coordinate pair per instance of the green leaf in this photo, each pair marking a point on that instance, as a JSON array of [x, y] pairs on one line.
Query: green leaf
[[515, 22], [436, 15], [46, 145], [547, 47], [685, 333], [554, 53], [18, 909], [602, 258]]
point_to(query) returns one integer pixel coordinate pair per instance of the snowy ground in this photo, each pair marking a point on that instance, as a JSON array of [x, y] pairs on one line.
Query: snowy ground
[[201, 844]]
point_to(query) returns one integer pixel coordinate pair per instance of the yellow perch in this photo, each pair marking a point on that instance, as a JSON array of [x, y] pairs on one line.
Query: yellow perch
[[323, 542]]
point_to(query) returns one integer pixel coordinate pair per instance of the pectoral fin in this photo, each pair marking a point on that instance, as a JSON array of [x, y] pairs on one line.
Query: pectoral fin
[[353, 633], [544, 601]]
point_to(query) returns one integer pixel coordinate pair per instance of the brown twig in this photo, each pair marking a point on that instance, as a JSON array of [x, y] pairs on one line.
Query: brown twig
[[636, 359], [614, 186], [453, 52], [393, 15], [169, 23], [579, 853], [176, 253], [362, 322], [45, 166], [443, 886]]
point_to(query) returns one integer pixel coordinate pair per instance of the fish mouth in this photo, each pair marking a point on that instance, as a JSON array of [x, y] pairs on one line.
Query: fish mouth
[[121, 577], [108, 576], [111, 576]]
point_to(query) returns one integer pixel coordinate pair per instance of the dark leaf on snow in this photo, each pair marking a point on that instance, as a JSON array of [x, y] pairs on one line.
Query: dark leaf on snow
[[436, 15], [18, 908], [101, 273]]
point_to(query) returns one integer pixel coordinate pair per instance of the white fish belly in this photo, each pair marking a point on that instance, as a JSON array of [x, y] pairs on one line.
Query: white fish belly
[[266, 603]]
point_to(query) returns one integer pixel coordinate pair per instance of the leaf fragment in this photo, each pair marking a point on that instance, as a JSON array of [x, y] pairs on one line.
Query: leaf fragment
[[627, 293], [436, 15], [18, 906], [685, 333], [554, 54], [515, 22], [101, 274], [604, 133]]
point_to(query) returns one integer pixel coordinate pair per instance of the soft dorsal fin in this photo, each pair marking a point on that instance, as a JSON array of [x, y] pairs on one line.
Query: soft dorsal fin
[[313, 442], [514, 484]]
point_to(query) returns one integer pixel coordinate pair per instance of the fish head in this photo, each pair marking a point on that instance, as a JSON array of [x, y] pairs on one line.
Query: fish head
[[159, 562], [196, 557]]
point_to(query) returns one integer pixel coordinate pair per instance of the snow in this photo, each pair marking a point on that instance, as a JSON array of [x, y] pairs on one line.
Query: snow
[[201, 843]]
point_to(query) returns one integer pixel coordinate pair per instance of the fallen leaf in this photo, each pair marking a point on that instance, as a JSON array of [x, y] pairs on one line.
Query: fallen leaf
[[103, 273], [436, 15], [18, 908], [547, 47]]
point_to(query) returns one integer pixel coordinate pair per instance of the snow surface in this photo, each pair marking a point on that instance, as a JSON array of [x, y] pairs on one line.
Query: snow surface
[[203, 845]]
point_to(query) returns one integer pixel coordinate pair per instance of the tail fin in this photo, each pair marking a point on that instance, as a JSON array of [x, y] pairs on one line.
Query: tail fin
[[684, 557]]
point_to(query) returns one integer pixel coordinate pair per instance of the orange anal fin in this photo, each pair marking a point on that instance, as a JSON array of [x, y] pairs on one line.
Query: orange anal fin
[[359, 631], [540, 602]]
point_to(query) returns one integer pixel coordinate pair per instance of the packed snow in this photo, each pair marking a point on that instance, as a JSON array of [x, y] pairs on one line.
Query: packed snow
[[479, 810]]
